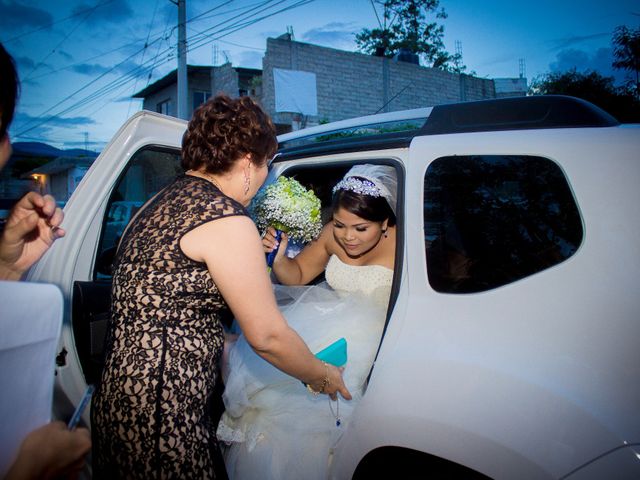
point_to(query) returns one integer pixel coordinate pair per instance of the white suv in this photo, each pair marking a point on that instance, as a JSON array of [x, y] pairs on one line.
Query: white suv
[[511, 344]]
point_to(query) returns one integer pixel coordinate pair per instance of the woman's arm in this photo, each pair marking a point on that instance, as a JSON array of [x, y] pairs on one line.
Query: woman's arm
[[305, 266], [232, 250]]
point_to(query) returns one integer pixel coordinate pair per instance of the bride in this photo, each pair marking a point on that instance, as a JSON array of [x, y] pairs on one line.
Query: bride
[[273, 428]]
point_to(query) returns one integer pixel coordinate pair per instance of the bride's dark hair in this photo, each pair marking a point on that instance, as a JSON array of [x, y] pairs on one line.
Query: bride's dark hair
[[373, 209]]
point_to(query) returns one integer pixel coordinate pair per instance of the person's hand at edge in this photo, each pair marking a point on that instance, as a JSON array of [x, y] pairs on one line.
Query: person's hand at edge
[[31, 229], [51, 451]]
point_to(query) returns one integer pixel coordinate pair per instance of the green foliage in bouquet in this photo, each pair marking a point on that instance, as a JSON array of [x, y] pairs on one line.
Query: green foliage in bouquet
[[286, 205]]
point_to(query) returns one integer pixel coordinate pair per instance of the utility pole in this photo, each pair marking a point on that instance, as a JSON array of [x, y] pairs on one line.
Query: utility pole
[[182, 60]]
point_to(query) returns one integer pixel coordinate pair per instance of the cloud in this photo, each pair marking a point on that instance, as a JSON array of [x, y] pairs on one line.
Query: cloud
[[111, 12], [53, 121], [67, 56], [14, 16], [95, 69], [46, 129], [334, 34], [90, 69], [29, 70], [568, 42], [583, 61]]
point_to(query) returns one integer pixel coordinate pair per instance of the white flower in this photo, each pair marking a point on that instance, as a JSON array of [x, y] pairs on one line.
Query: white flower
[[286, 205]]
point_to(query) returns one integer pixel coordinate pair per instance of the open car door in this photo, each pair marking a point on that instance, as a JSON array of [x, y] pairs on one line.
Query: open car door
[[142, 158]]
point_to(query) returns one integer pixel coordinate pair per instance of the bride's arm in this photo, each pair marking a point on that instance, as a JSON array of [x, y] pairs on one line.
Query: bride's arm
[[305, 266], [233, 253]]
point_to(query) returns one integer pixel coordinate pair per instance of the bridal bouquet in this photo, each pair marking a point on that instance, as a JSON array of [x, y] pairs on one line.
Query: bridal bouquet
[[288, 207]]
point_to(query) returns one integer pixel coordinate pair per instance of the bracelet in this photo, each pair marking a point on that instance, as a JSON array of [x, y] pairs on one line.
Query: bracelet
[[325, 382]]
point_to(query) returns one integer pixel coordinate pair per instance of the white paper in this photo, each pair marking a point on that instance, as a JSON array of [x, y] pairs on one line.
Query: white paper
[[30, 323], [295, 91]]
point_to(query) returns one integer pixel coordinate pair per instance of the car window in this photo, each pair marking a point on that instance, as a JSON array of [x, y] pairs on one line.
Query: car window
[[492, 220], [149, 170]]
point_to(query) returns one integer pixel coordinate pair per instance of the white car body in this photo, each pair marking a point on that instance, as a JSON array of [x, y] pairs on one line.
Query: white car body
[[535, 379]]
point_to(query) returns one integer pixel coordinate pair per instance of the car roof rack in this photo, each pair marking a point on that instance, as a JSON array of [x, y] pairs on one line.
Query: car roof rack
[[516, 113], [397, 129], [368, 126]]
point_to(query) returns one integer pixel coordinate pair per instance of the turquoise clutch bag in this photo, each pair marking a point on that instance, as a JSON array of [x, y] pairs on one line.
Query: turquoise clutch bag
[[335, 354]]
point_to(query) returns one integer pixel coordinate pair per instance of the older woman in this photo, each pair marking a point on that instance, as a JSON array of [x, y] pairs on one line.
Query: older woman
[[189, 254]]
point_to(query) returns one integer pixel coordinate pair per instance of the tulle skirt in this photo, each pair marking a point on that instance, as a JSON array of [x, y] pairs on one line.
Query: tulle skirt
[[273, 427]]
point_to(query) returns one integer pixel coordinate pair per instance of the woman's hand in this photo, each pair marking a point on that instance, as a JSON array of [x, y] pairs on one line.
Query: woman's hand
[[332, 384], [336, 384], [269, 243]]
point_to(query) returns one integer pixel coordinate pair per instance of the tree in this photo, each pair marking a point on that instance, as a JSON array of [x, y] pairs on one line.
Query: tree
[[594, 88], [626, 51], [405, 26]]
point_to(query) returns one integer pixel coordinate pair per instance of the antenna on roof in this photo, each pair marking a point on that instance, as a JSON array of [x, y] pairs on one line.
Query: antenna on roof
[[523, 68], [458, 57], [290, 32]]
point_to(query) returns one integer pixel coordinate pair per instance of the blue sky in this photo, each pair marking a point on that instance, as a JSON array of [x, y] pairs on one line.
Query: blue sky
[[81, 60]]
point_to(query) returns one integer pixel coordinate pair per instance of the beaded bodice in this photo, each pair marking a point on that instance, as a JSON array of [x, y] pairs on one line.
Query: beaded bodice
[[370, 280]]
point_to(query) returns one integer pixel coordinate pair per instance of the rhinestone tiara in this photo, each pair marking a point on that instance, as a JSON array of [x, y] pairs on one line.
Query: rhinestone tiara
[[358, 185]]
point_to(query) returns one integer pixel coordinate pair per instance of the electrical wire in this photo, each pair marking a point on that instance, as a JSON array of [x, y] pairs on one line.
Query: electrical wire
[[159, 59], [146, 45], [41, 62]]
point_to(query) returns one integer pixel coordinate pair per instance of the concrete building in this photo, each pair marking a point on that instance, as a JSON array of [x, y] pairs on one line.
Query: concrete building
[[303, 85], [161, 96]]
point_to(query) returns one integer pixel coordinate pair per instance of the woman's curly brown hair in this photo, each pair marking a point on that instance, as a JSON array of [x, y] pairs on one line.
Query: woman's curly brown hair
[[224, 129]]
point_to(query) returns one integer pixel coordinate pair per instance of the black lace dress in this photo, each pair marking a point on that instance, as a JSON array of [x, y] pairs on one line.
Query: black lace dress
[[150, 415]]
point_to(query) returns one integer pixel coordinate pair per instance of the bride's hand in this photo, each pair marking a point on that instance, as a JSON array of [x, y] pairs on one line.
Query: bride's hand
[[336, 384], [269, 242]]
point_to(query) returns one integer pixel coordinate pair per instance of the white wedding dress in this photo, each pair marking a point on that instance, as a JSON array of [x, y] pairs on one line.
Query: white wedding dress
[[273, 427]]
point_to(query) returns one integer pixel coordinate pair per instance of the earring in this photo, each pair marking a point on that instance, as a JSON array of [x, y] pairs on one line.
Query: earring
[[386, 234], [247, 184]]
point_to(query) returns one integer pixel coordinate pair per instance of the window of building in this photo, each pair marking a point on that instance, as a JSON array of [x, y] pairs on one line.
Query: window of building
[[492, 220], [164, 107], [199, 98]]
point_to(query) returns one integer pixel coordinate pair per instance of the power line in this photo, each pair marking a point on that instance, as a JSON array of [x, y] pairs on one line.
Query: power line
[[146, 45], [241, 26], [76, 92], [133, 74], [203, 35], [89, 12]]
